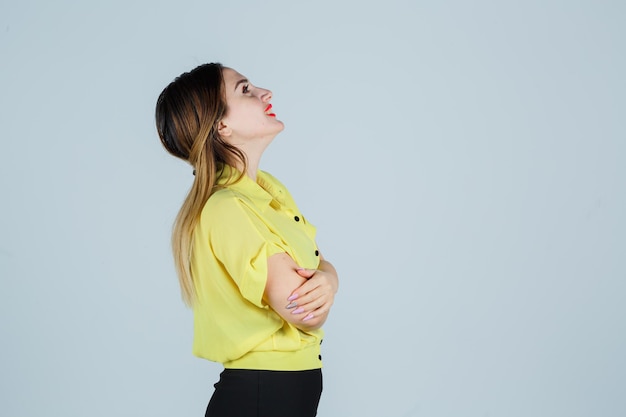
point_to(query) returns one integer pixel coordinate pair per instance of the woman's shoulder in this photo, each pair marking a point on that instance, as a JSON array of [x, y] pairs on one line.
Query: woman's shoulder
[[224, 199]]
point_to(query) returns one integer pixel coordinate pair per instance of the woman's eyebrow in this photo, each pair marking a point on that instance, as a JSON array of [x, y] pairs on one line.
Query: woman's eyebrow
[[243, 80]]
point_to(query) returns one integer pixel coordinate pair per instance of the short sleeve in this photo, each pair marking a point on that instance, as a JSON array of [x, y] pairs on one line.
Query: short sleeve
[[242, 243]]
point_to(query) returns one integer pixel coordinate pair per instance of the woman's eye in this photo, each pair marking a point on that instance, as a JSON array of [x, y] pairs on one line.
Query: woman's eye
[[246, 88]]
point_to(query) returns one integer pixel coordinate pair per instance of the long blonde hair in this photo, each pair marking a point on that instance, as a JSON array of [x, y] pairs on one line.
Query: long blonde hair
[[188, 113]]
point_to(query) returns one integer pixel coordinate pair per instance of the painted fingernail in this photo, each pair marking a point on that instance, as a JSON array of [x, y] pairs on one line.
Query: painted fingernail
[[298, 310], [292, 297], [291, 305], [308, 317]]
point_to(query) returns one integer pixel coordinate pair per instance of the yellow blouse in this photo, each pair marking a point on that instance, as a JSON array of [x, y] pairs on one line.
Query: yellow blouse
[[241, 225]]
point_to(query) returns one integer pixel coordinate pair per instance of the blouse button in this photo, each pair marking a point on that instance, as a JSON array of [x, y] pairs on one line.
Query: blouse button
[[296, 218], [317, 253]]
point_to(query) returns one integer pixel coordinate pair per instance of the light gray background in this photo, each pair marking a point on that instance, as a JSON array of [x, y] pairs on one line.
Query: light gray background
[[463, 162]]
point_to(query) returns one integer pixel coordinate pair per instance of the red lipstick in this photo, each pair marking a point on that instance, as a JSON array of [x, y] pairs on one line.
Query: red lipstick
[[267, 109]]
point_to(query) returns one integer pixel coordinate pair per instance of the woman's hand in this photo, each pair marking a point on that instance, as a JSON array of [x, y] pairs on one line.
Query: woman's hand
[[313, 299], [306, 306]]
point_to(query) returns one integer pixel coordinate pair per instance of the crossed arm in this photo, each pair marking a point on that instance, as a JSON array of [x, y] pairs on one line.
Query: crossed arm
[[302, 297]]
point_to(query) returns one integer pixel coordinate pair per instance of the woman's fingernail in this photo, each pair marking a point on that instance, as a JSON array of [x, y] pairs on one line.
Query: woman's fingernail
[[308, 317], [292, 297], [300, 269], [298, 310], [291, 305]]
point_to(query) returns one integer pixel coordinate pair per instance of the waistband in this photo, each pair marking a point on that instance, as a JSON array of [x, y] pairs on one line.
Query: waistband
[[299, 360]]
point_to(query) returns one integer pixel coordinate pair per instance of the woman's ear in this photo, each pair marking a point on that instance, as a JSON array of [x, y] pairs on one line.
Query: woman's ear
[[223, 129]]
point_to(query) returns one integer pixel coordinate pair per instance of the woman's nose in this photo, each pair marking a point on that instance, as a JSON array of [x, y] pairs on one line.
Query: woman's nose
[[266, 95]]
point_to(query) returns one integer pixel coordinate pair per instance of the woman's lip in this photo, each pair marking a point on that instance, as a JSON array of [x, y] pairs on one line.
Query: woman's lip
[[267, 109]]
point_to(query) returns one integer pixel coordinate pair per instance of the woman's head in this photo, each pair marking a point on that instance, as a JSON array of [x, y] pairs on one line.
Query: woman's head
[[215, 113]]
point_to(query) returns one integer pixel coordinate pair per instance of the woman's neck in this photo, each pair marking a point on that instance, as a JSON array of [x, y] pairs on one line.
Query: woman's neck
[[253, 168], [252, 165], [253, 152]]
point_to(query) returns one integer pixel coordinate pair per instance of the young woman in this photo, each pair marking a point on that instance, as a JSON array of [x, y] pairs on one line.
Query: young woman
[[246, 256]]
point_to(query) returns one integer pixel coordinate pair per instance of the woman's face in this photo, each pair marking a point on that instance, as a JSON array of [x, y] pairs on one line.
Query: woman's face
[[249, 114]]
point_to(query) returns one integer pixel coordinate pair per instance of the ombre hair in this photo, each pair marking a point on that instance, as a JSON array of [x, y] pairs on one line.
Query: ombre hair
[[188, 113]]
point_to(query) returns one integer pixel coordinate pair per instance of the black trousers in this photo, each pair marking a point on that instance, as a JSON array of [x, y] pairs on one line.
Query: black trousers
[[252, 393]]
